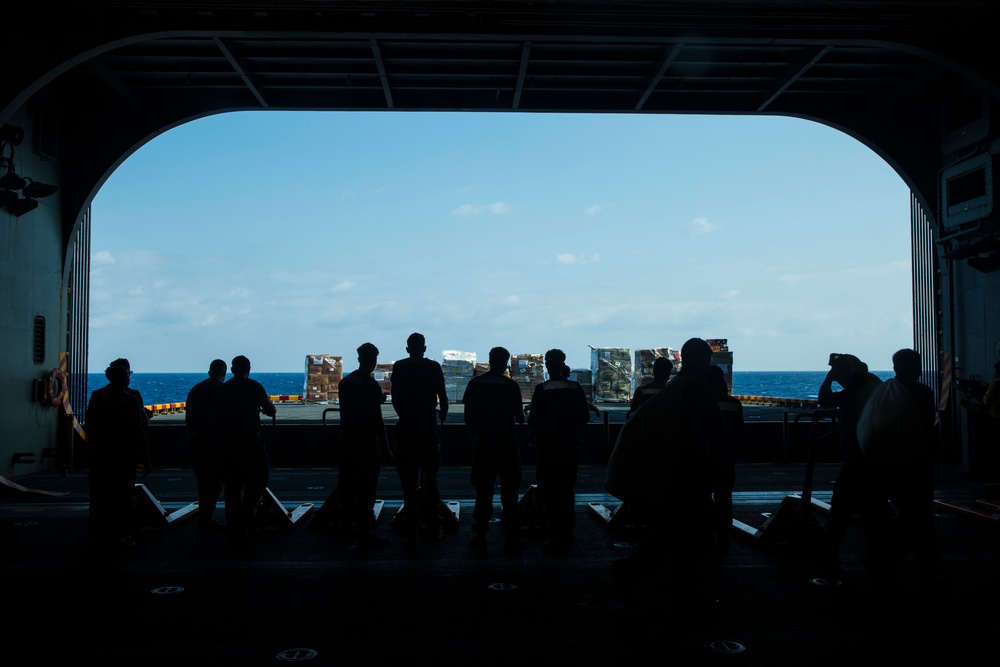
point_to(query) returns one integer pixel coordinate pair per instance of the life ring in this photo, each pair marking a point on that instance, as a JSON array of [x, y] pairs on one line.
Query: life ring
[[55, 388]]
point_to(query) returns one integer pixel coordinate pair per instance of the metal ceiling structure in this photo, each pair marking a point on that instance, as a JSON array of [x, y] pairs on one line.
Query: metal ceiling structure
[[917, 81], [876, 69]]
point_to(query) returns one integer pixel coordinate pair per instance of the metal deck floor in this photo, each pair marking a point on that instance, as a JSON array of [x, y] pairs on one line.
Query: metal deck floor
[[303, 595]]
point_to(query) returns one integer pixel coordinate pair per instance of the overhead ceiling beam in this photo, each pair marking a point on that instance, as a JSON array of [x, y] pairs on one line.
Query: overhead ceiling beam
[[668, 60], [377, 54], [798, 74], [521, 73], [113, 80], [239, 69]]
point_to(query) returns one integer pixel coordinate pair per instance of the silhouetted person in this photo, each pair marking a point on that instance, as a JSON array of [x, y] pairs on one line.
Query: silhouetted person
[[902, 467], [363, 440], [205, 433], [493, 410], [724, 452], [115, 427], [420, 400], [662, 368], [853, 491], [241, 401], [121, 361], [567, 372], [676, 428], [557, 416]]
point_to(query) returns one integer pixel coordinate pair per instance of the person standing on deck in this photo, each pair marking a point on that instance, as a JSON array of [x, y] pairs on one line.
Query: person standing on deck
[[557, 416], [662, 368], [206, 435], [674, 433], [493, 411], [121, 361], [853, 491], [363, 441], [241, 401], [420, 400], [898, 436], [116, 435], [723, 454]]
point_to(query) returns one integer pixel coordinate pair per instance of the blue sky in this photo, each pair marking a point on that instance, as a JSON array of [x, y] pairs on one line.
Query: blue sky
[[283, 234]]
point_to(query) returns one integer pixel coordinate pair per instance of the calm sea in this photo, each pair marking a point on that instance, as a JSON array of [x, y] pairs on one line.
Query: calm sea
[[173, 387]]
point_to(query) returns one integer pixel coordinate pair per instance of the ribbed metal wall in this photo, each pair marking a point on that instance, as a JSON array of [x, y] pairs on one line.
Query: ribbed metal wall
[[77, 338], [926, 320]]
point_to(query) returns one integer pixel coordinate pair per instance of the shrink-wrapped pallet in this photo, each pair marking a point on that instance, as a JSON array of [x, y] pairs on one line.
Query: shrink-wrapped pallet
[[585, 377], [457, 367], [643, 367], [323, 375], [528, 371], [612, 373], [383, 375]]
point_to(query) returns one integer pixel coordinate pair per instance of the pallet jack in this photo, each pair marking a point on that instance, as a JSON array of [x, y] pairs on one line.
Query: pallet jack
[[985, 510], [272, 513], [618, 516], [149, 511], [793, 521], [330, 513]]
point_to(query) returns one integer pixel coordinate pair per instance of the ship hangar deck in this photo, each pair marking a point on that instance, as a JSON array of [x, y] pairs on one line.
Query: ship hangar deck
[[304, 595]]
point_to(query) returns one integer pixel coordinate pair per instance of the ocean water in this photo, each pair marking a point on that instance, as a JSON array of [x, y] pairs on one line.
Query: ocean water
[[173, 387]]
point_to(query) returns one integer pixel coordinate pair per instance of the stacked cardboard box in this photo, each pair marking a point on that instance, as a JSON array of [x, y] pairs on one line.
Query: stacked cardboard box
[[383, 375], [457, 367], [612, 373], [323, 375], [718, 344], [585, 377], [528, 371], [643, 368], [724, 359]]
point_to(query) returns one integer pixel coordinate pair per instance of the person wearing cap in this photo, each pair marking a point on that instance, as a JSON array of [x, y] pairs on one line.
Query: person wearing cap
[[124, 363], [493, 413], [364, 441], [853, 490], [116, 437], [241, 401], [557, 416]]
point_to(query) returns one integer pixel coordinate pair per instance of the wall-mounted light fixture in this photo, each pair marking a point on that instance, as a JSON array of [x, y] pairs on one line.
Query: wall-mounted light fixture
[[10, 183]]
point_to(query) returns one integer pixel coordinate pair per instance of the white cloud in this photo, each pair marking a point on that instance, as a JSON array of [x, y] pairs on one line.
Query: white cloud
[[701, 226], [344, 286], [102, 258], [570, 258], [467, 209], [596, 208], [496, 208], [730, 294], [513, 299]]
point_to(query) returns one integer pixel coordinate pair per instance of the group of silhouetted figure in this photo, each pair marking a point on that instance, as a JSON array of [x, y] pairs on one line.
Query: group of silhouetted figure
[[678, 448]]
